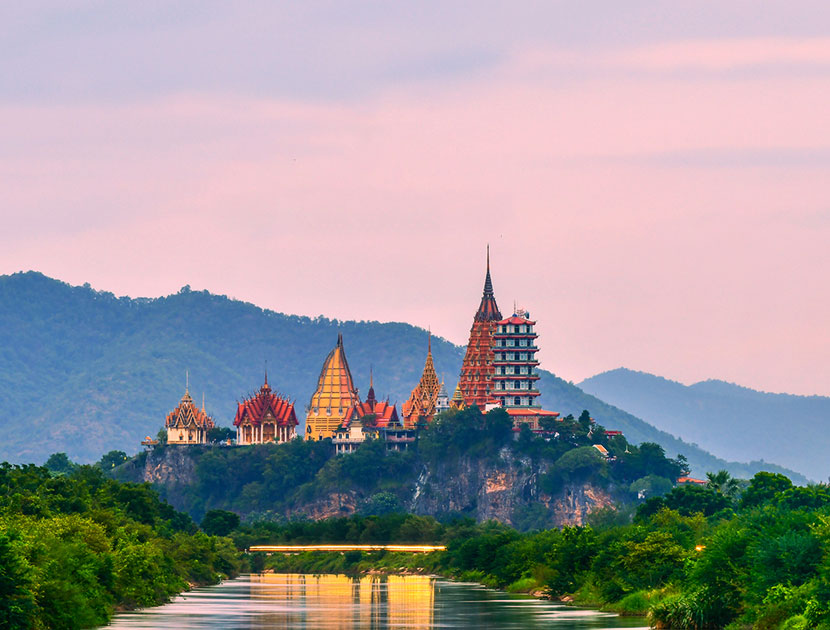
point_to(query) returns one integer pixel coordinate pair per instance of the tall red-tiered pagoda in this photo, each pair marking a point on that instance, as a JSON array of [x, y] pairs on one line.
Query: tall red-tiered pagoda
[[477, 370]]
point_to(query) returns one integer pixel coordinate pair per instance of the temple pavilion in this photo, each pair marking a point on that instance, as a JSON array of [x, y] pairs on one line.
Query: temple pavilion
[[422, 404], [265, 417], [334, 397], [187, 424]]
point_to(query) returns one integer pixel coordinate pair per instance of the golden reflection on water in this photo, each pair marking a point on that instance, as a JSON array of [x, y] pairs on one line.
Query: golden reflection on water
[[341, 602]]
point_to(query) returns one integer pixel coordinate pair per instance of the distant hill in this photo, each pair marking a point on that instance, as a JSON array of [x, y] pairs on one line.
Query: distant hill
[[728, 420], [83, 371]]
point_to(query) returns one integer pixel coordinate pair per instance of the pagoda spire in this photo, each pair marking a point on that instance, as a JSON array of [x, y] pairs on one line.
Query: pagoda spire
[[488, 310], [488, 283], [370, 396], [265, 387]]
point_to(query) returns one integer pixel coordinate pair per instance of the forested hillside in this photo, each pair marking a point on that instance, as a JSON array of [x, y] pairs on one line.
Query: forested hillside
[[728, 420], [85, 372]]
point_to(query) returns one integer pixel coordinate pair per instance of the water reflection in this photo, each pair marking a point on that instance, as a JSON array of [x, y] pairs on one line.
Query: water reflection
[[377, 602]]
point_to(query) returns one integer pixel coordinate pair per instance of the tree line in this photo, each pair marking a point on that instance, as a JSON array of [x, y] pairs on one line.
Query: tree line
[[76, 546]]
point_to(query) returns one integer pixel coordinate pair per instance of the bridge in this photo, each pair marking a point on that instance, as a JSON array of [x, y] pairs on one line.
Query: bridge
[[344, 548]]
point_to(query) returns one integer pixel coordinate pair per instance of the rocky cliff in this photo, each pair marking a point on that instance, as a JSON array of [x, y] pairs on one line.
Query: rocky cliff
[[505, 488]]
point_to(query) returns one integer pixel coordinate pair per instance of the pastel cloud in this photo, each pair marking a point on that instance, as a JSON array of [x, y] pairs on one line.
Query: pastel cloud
[[647, 218]]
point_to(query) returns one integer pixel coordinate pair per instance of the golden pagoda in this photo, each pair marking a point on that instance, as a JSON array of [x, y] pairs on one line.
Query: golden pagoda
[[334, 397], [423, 399], [457, 400]]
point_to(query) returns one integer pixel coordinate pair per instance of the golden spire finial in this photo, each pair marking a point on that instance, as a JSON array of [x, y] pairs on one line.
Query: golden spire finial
[[371, 379], [203, 402], [429, 340], [187, 381]]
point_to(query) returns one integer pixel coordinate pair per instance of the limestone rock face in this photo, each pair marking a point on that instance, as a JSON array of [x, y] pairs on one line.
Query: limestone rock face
[[500, 489], [171, 465]]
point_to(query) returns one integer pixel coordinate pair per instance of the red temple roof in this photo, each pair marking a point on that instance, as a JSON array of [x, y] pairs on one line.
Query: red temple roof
[[265, 403], [515, 319], [385, 413]]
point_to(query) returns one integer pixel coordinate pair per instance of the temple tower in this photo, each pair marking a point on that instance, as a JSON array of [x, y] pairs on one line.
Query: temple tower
[[423, 399], [475, 382], [334, 397], [514, 383]]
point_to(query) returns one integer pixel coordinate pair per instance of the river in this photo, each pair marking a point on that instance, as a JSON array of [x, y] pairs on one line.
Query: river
[[334, 601]]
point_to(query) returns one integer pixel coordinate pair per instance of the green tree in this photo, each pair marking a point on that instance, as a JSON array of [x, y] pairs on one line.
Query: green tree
[[723, 483], [650, 486], [763, 487], [112, 459], [220, 434], [219, 522], [60, 464], [381, 503], [17, 603]]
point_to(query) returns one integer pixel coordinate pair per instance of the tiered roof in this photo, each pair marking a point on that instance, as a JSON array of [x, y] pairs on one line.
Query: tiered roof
[[188, 416], [422, 400], [266, 405], [334, 396], [385, 413], [477, 370]]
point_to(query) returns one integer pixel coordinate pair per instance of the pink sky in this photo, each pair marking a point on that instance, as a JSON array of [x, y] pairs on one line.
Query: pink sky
[[659, 200]]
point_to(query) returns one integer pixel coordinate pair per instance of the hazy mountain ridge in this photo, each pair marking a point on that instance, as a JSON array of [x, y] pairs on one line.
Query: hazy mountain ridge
[[85, 372], [728, 420]]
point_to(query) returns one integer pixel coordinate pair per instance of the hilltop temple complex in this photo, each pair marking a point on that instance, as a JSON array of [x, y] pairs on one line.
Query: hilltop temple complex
[[499, 370], [265, 417], [187, 424]]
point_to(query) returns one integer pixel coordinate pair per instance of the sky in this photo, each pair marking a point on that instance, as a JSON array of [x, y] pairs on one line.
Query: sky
[[653, 178]]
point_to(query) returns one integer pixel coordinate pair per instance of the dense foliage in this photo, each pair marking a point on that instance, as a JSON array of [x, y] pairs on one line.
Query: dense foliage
[[75, 545], [692, 559], [114, 367]]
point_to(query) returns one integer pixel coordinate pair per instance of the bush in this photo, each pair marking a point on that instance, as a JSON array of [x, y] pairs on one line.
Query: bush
[[219, 522]]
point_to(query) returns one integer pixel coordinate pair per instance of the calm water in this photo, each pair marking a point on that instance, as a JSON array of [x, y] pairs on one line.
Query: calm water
[[333, 601]]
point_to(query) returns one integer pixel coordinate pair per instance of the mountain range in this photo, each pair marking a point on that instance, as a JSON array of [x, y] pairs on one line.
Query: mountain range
[[84, 372], [726, 419]]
